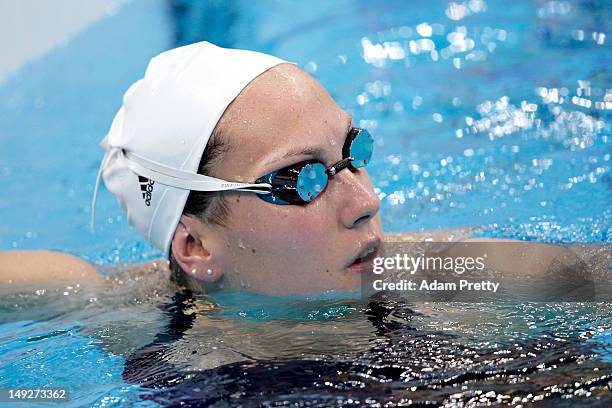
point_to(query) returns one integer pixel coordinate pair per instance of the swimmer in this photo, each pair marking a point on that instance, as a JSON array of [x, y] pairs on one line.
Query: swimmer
[[244, 172]]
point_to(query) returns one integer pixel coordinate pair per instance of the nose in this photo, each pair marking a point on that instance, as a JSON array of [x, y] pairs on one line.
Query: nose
[[359, 203]]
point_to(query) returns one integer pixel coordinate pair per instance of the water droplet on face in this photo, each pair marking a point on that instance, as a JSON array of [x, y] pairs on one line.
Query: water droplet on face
[[241, 244]]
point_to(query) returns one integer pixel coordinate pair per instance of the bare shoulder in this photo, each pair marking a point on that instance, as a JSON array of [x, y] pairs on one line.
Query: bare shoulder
[[453, 234], [157, 267], [23, 269], [502, 254]]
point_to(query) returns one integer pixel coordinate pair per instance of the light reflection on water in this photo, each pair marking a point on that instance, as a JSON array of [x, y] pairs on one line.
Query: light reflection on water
[[497, 121], [324, 352], [489, 114], [263, 350]]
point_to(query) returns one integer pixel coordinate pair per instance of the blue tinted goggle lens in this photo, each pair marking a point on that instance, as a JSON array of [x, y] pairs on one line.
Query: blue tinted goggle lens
[[312, 179], [361, 148]]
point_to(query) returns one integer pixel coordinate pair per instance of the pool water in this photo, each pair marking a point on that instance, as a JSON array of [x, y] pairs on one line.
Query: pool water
[[487, 114]]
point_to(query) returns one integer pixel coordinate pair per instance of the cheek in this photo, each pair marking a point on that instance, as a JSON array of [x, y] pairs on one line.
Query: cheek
[[275, 229], [286, 249]]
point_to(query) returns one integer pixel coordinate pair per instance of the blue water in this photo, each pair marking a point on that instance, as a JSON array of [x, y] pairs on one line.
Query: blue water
[[497, 121]]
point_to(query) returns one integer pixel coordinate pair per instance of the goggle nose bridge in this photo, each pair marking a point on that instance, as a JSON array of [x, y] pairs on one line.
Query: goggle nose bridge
[[339, 166]]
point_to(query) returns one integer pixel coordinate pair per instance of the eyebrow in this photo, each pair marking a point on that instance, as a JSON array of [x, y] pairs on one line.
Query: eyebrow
[[308, 151]]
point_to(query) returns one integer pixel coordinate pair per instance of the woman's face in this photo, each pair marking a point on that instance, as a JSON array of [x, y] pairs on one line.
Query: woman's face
[[283, 117]]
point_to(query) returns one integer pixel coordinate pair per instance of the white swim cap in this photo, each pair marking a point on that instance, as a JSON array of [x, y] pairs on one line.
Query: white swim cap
[[156, 141]]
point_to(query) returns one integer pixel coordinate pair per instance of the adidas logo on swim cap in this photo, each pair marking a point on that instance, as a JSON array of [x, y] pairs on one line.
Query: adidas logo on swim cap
[[146, 186]]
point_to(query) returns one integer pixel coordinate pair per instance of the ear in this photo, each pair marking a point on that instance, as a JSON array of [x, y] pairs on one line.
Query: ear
[[190, 253]]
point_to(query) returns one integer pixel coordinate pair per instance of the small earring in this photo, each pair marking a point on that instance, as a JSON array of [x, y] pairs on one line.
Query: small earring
[[209, 272], [193, 271]]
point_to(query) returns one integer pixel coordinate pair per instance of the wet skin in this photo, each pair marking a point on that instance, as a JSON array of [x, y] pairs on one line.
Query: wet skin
[[283, 117]]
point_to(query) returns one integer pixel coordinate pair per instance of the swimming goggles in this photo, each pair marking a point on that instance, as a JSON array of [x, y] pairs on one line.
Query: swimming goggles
[[302, 182], [299, 183]]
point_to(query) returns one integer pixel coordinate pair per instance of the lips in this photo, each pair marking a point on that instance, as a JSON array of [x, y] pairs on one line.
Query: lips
[[362, 261]]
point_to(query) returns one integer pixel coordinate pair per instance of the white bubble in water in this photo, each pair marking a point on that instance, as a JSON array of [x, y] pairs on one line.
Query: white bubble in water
[[424, 29]]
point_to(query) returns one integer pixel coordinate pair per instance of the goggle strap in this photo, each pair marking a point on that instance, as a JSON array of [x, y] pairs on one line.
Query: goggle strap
[[186, 180], [157, 167]]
